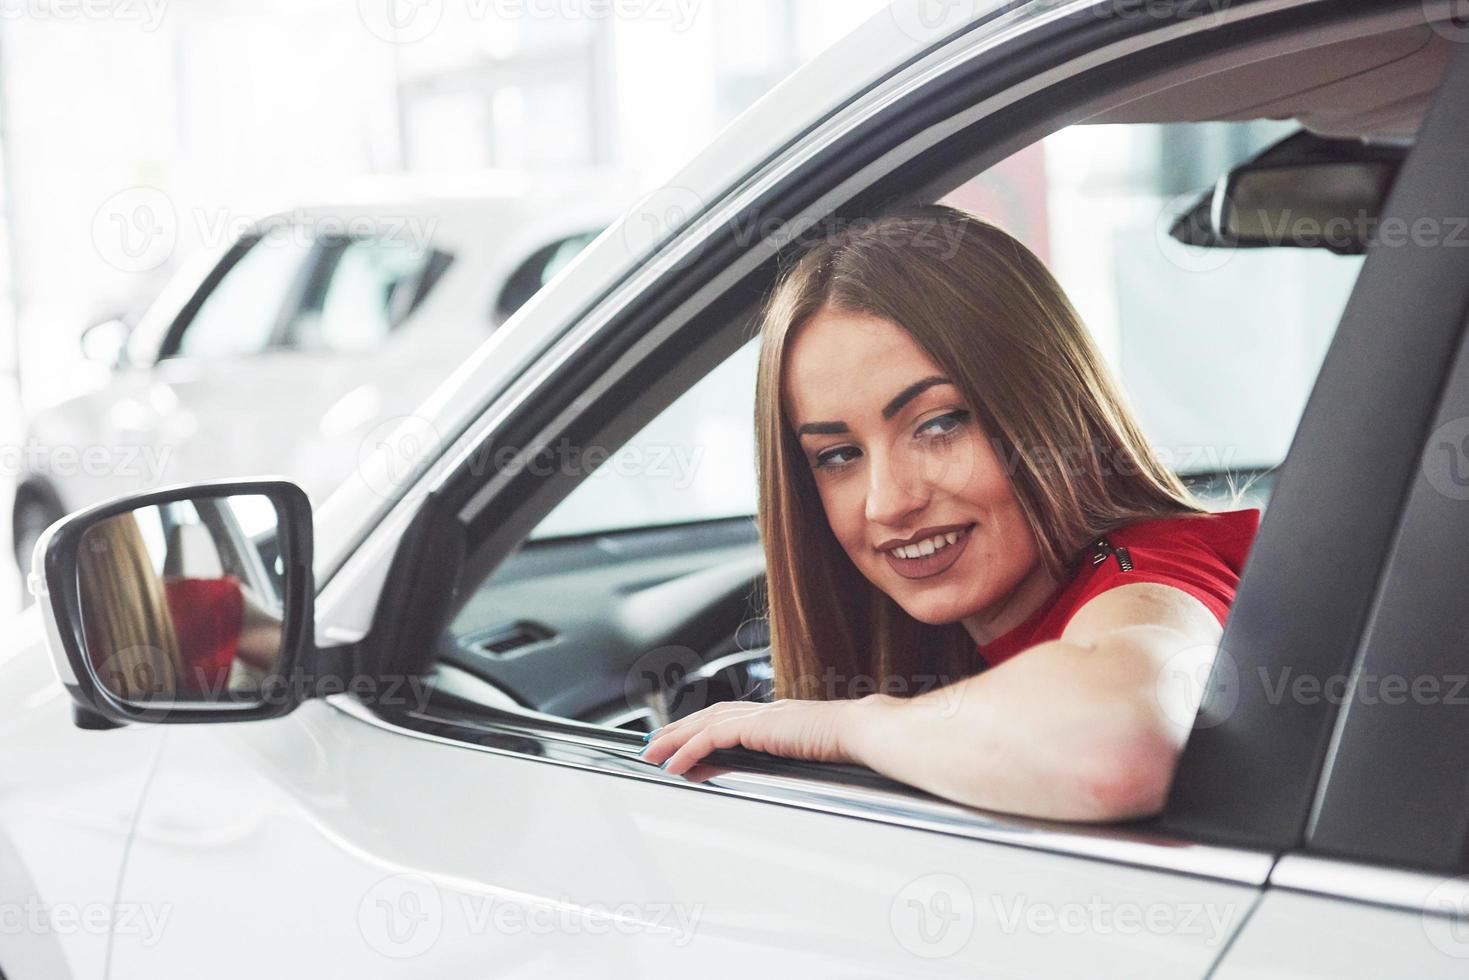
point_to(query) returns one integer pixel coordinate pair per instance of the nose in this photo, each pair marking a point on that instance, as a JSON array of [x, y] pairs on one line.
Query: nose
[[894, 494]]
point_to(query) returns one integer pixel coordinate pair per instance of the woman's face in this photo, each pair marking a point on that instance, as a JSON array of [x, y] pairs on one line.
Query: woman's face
[[911, 486]]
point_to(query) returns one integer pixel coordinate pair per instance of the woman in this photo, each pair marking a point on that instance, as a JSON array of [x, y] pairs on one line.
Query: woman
[[981, 580]]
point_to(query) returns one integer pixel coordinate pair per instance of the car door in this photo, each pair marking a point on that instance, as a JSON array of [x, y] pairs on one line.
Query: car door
[[388, 831], [1379, 882]]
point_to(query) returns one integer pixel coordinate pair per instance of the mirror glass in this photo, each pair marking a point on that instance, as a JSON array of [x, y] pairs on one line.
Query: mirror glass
[[182, 601], [1321, 205]]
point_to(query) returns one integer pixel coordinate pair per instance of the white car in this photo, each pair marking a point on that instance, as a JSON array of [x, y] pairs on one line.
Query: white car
[[439, 775], [289, 347]]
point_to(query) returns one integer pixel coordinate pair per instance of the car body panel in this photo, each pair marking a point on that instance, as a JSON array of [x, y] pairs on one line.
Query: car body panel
[[519, 872], [1293, 935], [68, 800]]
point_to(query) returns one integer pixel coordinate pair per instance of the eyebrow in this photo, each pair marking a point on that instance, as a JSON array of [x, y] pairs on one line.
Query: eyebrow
[[889, 410]]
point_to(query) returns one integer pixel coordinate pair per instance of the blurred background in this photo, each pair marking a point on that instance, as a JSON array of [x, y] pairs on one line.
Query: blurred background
[[221, 221], [136, 137]]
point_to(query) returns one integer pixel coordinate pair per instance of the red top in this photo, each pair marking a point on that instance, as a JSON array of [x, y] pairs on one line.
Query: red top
[[207, 615], [1202, 555]]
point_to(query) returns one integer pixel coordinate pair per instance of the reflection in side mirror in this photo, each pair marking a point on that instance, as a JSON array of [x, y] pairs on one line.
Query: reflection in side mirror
[[176, 602], [181, 605]]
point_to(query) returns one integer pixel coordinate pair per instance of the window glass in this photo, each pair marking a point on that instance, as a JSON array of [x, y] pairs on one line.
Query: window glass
[[1217, 349], [241, 314], [694, 462], [361, 290]]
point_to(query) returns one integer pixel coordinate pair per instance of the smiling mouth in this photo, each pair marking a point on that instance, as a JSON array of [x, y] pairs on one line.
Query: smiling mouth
[[931, 556]]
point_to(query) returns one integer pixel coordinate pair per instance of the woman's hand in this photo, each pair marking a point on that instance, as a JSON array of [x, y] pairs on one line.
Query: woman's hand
[[815, 731]]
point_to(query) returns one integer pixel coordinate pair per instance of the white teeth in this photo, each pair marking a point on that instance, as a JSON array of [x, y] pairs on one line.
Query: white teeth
[[928, 546]]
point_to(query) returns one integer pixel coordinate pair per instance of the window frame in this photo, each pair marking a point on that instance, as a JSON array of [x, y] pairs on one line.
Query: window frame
[[954, 123], [169, 349]]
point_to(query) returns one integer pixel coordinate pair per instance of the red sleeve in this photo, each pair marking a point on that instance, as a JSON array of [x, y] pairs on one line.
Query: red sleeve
[[208, 614], [1184, 562]]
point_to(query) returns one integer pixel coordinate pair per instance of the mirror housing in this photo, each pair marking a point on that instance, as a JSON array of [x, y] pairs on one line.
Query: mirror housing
[[106, 343], [1306, 205], [1307, 191], [181, 605]]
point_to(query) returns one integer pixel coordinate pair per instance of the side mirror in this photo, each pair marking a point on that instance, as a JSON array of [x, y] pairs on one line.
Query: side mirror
[[106, 343], [186, 604]]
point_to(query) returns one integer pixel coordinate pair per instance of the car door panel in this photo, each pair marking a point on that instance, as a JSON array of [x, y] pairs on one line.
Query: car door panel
[[66, 824], [1286, 939], [415, 855]]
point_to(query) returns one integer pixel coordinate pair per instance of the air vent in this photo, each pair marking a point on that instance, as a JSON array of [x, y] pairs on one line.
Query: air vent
[[502, 641]]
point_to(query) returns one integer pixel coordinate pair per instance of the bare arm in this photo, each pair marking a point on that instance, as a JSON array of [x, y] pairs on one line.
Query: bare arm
[[1079, 728], [260, 636], [1087, 727]]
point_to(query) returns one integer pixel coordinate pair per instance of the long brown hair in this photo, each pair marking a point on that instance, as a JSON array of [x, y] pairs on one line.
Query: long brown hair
[[990, 314], [125, 616]]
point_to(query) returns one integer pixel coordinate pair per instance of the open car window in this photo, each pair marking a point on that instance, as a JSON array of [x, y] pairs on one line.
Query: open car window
[[1217, 349]]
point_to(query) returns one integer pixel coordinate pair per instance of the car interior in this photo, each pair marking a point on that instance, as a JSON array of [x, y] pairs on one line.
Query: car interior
[[635, 621]]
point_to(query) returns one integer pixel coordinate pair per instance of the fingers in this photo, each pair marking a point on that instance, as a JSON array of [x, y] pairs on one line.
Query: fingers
[[703, 715], [722, 735], [680, 745]]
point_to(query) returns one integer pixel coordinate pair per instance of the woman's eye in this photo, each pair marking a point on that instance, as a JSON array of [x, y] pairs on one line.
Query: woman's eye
[[832, 458], [943, 425]]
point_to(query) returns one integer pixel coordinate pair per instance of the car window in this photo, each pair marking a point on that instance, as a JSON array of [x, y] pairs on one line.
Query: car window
[[242, 312], [1217, 349], [536, 271], [636, 599], [691, 463], [361, 290]]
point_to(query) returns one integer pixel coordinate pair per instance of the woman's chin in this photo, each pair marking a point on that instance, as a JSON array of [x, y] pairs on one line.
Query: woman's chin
[[935, 612]]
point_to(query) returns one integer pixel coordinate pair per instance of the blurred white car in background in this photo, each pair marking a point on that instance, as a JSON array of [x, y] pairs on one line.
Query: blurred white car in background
[[288, 348]]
